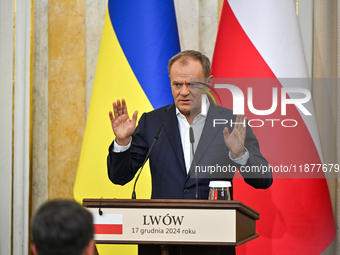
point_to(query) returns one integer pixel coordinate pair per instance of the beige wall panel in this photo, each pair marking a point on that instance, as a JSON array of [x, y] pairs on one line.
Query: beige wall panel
[[66, 93], [95, 14], [40, 105]]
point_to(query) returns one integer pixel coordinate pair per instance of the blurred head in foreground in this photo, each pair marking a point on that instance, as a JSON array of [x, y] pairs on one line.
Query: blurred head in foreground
[[62, 227]]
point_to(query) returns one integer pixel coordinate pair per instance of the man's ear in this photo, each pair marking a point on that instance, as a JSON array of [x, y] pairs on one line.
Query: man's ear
[[209, 80], [90, 248], [33, 249]]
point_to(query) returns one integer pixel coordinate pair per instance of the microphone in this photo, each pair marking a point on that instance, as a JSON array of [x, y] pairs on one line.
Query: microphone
[[192, 140], [158, 133], [100, 207]]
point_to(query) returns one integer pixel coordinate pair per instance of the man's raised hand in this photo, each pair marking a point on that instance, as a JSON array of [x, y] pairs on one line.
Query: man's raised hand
[[236, 139], [122, 125]]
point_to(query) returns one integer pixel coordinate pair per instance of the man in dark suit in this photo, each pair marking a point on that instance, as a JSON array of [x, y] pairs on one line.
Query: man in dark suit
[[170, 161]]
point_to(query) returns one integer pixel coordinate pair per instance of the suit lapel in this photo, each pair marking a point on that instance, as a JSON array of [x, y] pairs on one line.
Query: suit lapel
[[169, 119]]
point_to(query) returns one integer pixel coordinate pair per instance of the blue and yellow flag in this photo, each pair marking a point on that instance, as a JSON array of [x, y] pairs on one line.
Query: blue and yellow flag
[[139, 38]]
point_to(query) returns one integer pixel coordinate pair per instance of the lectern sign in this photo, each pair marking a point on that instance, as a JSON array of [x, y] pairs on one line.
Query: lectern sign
[[190, 225], [182, 222]]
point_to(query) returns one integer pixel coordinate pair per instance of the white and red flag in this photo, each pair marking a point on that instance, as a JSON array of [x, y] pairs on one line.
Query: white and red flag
[[261, 39], [108, 224]]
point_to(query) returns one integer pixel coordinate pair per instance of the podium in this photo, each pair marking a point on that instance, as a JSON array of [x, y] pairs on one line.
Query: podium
[[188, 225]]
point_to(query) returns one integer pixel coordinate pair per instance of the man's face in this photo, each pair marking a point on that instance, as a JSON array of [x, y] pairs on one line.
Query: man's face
[[186, 99]]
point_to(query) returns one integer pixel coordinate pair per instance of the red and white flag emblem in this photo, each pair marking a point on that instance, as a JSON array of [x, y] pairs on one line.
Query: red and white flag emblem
[[108, 224]]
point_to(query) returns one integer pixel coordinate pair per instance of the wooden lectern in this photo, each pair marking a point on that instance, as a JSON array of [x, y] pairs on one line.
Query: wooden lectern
[[192, 226]]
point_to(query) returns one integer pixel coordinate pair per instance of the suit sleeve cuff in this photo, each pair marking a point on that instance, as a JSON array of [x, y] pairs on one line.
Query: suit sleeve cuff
[[117, 148], [241, 160]]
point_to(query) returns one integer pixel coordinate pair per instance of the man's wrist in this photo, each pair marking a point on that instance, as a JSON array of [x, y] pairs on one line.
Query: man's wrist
[[123, 142], [244, 151]]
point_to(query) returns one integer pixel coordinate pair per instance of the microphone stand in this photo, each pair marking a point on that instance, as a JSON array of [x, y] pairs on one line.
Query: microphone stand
[[159, 130], [192, 140]]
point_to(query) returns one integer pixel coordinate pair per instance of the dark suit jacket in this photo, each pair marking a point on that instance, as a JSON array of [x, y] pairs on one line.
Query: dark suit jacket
[[169, 177]]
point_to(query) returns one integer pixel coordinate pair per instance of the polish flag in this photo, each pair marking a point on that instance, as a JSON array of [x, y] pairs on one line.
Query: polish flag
[[108, 224], [261, 39]]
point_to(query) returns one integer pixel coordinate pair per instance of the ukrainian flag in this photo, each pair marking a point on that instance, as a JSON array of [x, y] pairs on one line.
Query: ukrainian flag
[[139, 38]]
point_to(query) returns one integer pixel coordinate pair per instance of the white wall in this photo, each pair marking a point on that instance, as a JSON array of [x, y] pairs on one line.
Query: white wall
[[305, 9], [6, 87], [14, 126]]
